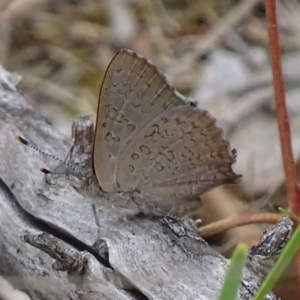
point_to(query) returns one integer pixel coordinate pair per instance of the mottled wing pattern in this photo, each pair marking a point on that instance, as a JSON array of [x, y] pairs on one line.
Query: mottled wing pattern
[[133, 92], [177, 156]]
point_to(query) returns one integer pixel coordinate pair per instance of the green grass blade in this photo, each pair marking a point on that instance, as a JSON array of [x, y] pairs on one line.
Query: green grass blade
[[283, 261], [234, 274]]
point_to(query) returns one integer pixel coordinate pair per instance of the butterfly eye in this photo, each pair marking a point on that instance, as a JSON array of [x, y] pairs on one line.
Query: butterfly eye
[[92, 190]]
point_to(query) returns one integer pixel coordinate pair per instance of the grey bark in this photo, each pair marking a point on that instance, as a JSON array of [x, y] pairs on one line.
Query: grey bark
[[56, 245]]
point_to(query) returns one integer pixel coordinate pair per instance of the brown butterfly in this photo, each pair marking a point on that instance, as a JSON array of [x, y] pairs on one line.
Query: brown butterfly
[[152, 145]]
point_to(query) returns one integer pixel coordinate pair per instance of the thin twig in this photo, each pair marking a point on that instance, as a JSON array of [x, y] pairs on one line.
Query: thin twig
[[239, 220], [282, 117]]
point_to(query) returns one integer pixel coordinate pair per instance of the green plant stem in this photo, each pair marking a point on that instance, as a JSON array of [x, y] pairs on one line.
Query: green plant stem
[[281, 264], [234, 274]]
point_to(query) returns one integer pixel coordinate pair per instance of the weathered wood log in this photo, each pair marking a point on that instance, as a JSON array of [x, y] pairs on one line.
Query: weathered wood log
[[96, 253]]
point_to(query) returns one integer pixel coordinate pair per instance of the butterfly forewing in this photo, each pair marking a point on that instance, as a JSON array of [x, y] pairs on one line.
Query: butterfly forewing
[[132, 94]]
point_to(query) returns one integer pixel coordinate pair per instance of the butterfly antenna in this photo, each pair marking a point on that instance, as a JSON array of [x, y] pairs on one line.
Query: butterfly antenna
[[45, 171]]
